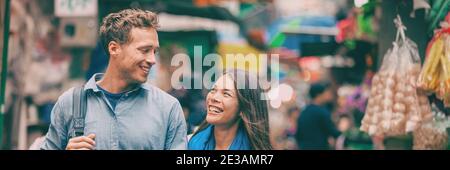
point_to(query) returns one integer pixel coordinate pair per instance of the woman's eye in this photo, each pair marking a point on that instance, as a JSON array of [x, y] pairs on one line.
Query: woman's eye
[[227, 94]]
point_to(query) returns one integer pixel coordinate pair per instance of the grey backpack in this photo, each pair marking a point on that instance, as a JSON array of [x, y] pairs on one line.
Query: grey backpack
[[79, 112]]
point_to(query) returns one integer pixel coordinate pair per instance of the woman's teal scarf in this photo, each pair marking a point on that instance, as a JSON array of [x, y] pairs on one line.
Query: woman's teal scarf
[[204, 140]]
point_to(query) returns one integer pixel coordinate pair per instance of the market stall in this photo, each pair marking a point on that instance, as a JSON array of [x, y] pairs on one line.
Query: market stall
[[399, 102]]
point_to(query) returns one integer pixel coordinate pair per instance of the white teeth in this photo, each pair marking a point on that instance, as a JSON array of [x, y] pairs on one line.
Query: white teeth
[[146, 70], [215, 109]]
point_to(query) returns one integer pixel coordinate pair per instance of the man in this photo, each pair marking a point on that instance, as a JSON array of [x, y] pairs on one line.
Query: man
[[123, 112], [314, 126]]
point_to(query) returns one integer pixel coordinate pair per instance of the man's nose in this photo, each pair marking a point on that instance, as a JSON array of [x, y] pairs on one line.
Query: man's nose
[[151, 59]]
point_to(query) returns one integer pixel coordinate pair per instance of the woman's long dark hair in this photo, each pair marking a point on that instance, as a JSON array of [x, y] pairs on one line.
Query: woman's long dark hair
[[254, 117]]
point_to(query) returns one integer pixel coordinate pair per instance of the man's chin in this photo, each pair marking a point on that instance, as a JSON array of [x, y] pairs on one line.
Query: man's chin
[[139, 80]]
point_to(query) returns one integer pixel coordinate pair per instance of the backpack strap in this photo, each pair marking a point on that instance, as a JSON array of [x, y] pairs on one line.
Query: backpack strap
[[78, 111]]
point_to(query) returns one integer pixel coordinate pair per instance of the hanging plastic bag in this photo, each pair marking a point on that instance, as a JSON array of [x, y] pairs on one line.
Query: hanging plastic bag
[[435, 76], [445, 60], [408, 70], [395, 106], [378, 101], [429, 78]]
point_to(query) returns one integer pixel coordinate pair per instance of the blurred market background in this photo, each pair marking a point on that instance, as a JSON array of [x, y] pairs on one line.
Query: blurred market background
[[53, 45]]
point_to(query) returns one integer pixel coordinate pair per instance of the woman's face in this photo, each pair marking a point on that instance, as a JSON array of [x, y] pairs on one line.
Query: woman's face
[[222, 102]]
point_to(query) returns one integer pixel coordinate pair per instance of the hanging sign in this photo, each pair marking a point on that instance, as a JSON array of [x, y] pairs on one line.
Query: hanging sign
[[76, 8]]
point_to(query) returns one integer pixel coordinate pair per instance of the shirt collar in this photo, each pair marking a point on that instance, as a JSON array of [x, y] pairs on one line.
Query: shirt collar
[[92, 83]]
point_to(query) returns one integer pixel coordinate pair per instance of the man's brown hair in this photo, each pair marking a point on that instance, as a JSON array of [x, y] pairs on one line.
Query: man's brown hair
[[117, 26]]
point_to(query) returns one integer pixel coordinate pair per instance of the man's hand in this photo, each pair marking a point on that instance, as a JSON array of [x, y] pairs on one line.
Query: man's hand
[[82, 143]]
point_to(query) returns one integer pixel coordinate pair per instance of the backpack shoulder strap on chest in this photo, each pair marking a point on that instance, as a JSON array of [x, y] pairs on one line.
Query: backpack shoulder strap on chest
[[79, 111]]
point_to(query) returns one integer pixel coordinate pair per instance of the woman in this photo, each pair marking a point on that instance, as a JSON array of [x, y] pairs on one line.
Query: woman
[[237, 119]]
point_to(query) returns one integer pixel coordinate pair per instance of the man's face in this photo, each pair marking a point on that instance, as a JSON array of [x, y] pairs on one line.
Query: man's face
[[135, 58], [327, 96]]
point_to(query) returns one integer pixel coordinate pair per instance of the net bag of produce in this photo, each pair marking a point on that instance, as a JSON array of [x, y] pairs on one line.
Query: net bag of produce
[[395, 106]]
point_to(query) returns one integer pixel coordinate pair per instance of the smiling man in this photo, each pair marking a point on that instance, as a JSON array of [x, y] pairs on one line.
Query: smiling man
[[123, 112]]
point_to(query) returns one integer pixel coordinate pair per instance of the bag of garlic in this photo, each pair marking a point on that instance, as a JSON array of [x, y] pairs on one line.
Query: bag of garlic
[[407, 72], [372, 118], [380, 102], [395, 107], [432, 135]]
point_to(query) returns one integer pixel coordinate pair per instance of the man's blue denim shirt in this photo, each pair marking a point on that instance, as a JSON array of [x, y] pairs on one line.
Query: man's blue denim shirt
[[146, 118]]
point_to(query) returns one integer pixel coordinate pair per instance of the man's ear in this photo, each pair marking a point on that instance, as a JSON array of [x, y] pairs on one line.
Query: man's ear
[[114, 49]]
